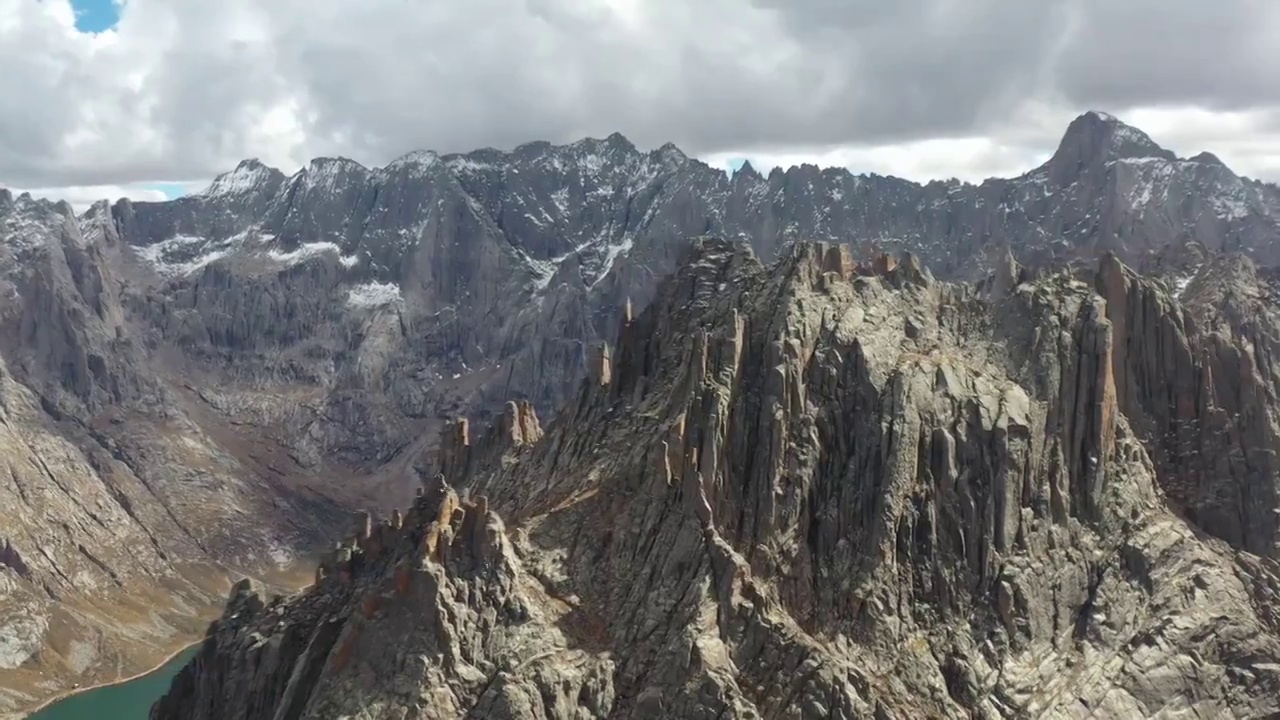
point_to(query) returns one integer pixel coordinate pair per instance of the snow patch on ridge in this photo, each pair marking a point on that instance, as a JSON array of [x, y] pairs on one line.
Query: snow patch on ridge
[[465, 164], [23, 231], [310, 250], [1182, 282], [374, 294], [1151, 179], [561, 200], [183, 254], [591, 163], [544, 270], [1133, 135], [1229, 208], [611, 255]]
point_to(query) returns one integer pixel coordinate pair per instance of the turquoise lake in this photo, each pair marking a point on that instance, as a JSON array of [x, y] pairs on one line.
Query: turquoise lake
[[127, 701]]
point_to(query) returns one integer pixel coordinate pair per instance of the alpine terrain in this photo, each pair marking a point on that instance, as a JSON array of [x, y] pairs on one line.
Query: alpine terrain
[[827, 489], [1005, 449]]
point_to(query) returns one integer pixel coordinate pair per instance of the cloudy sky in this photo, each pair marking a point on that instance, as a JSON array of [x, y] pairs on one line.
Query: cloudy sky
[[148, 98]]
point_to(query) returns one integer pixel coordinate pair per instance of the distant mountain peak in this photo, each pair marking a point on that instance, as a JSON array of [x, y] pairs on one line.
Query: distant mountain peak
[[616, 143], [617, 139], [670, 151], [1208, 158], [27, 202], [327, 173], [424, 158], [1096, 138], [332, 162], [248, 175]]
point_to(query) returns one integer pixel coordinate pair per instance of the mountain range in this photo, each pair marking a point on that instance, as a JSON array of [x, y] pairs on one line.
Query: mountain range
[[829, 488], [203, 388]]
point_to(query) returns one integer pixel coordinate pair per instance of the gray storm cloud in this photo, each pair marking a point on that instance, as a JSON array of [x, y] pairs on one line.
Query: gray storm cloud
[[184, 88]]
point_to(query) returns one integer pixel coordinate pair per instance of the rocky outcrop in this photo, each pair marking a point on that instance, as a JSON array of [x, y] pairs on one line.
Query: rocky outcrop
[[826, 489], [1198, 387], [441, 603]]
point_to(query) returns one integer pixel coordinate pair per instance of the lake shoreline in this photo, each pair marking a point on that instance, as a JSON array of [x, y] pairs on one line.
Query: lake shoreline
[[120, 681], [195, 642]]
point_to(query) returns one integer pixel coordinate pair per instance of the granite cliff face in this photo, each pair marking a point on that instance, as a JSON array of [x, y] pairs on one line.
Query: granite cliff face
[[838, 487]]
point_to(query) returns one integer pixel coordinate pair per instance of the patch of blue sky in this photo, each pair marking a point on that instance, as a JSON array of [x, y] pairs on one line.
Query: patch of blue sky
[[173, 190], [95, 16]]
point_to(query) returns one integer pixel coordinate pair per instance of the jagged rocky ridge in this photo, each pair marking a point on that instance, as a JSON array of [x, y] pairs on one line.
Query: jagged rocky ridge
[[828, 489], [387, 299]]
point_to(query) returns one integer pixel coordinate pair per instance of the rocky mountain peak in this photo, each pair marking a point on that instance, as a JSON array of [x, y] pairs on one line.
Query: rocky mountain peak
[[417, 159], [1096, 138], [615, 145], [325, 166], [1208, 158], [618, 141], [33, 207], [97, 224], [252, 165], [532, 149], [594, 154], [669, 151], [482, 160], [329, 178], [24, 222], [747, 170], [249, 177], [98, 208]]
